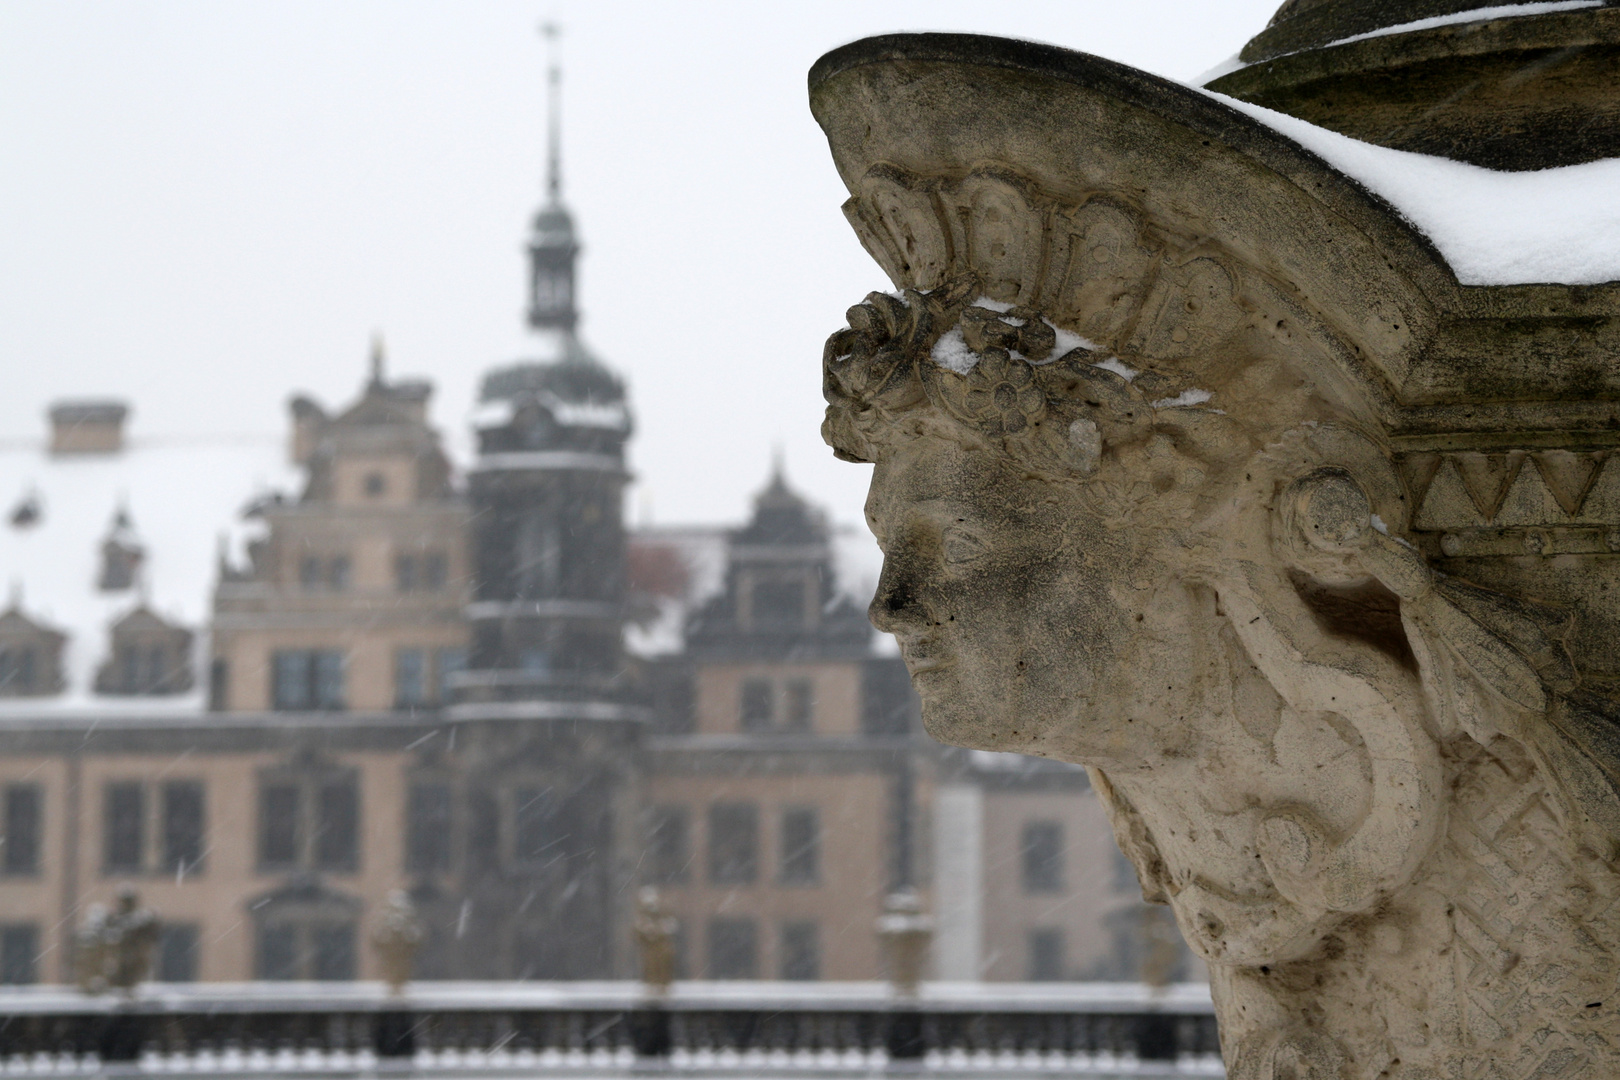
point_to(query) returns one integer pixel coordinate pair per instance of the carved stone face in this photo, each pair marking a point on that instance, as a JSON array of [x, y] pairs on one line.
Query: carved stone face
[[1008, 595]]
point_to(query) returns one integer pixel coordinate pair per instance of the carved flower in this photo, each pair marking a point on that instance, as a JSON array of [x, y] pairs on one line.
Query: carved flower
[[1001, 394]]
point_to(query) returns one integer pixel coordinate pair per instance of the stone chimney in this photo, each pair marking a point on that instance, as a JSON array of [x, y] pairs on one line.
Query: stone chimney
[[88, 426], [309, 420]]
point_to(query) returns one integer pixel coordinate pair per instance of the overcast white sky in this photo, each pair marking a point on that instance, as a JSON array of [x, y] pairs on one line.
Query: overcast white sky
[[207, 206]]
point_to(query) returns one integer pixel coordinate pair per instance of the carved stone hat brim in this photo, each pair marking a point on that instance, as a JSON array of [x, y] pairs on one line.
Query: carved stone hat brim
[[1034, 131]]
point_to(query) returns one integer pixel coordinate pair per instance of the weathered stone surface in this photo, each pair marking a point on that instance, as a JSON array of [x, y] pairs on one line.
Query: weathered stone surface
[[1180, 474], [1526, 91]]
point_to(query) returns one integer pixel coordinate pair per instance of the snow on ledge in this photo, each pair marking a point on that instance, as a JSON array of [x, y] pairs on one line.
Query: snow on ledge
[[1504, 11], [1493, 228]]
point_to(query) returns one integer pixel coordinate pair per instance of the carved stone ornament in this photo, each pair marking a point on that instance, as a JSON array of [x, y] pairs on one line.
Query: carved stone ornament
[[1194, 464]]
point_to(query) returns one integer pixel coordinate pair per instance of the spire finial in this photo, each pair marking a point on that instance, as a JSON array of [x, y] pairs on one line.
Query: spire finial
[[552, 32], [778, 467], [378, 358]]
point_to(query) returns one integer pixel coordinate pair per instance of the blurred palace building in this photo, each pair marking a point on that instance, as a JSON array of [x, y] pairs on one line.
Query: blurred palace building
[[474, 683]]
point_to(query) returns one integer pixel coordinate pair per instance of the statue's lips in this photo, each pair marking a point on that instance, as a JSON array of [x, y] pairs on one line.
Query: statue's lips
[[921, 661]]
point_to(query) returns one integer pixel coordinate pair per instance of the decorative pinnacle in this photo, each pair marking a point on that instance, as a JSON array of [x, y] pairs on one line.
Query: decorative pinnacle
[[552, 32], [378, 358]]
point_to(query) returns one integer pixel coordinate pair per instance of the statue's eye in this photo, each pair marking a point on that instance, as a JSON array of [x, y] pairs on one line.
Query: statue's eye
[[962, 546]]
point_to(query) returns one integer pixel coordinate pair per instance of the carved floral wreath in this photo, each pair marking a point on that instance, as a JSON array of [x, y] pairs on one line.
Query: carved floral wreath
[[991, 371]]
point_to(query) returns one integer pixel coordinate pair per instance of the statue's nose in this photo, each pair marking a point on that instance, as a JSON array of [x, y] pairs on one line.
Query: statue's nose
[[894, 606]]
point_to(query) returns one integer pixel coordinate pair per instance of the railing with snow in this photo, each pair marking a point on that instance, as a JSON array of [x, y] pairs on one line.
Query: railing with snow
[[265, 1027]]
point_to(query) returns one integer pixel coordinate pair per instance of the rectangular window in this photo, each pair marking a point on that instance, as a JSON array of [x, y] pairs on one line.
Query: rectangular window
[[799, 705], [1043, 856], [177, 953], [290, 673], [309, 572], [1046, 963], [24, 819], [427, 828], [333, 953], [183, 826], [278, 826], [410, 678], [327, 691], [19, 953], [219, 684], [668, 844], [337, 573], [435, 570], [757, 709], [733, 843], [451, 662], [534, 833], [405, 573], [779, 605], [124, 828], [801, 846], [337, 825], [800, 952], [278, 953], [733, 949]]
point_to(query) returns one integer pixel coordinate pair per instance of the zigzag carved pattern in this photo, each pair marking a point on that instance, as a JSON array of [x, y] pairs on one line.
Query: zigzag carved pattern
[[1529, 961], [1520, 489]]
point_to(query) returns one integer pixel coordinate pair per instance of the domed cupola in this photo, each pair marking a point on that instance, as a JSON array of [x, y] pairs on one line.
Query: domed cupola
[[1518, 87]]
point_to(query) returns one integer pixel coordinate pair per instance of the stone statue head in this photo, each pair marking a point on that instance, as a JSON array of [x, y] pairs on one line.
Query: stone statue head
[[1171, 480]]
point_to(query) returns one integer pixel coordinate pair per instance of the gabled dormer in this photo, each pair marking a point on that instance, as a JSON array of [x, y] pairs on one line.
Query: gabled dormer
[[30, 655], [147, 656]]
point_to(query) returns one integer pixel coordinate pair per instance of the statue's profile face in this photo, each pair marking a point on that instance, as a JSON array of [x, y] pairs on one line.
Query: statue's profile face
[[1008, 596]]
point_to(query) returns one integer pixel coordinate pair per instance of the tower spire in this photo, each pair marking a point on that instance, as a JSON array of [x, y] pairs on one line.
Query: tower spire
[[552, 245], [377, 358], [552, 32]]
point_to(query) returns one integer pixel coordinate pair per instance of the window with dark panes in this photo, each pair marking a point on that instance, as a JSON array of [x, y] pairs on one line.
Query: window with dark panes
[[534, 825], [328, 683], [19, 953], [733, 843], [1042, 850], [1046, 963], [435, 570], [779, 604], [405, 576], [219, 684], [280, 829], [277, 955], [334, 953], [304, 679], [309, 572], [799, 954], [800, 846], [183, 827], [733, 948], [123, 827], [799, 705], [337, 825], [410, 678], [427, 828], [24, 821], [757, 707], [450, 663], [337, 573], [668, 844], [177, 957]]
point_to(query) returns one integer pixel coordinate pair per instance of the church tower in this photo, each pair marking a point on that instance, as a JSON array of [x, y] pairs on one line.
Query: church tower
[[548, 721]]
